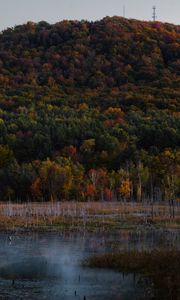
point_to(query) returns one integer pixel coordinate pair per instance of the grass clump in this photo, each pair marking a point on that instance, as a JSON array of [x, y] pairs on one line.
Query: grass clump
[[143, 262], [161, 267]]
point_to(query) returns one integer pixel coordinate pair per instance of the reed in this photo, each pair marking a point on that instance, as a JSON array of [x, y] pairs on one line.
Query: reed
[[85, 214], [161, 268]]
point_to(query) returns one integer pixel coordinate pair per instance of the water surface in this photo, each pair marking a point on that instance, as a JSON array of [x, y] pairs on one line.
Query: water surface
[[49, 266]]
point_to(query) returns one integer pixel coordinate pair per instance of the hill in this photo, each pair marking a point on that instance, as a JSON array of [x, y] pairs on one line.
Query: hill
[[90, 110]]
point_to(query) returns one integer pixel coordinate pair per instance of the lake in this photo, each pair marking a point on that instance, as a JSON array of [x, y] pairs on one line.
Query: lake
[[49, 265]]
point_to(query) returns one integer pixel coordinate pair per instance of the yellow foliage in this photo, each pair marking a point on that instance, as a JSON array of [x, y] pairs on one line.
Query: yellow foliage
[[125, 188]]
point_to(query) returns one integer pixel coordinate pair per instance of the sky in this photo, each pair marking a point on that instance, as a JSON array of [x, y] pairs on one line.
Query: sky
[[15, 12]]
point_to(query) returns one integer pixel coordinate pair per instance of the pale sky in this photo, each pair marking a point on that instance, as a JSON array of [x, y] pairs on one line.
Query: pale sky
[[15, 12]]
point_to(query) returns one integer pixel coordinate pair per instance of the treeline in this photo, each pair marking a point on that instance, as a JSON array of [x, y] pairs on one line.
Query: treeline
[[154, 178], [90, 111]]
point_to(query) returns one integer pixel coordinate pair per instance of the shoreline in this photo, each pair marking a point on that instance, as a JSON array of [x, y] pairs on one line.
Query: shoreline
[[92, 227], [86, 216]]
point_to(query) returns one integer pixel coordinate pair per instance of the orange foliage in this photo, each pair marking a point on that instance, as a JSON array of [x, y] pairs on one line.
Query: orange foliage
[[90, 190]]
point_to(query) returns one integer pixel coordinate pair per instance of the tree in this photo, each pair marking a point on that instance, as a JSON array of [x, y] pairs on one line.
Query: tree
[[6, 156], [125, 189], [90, 192], [54, 181]]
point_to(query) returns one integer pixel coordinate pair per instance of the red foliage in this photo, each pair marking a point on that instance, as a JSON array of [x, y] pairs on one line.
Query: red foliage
[[90, 190], [108, 194]]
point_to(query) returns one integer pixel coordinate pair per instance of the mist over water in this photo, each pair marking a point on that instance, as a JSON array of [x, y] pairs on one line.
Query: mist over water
[[49, 266]]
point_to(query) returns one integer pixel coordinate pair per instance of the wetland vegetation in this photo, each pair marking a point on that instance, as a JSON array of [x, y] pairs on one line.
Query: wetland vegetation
[[160, 269], [93, 216]]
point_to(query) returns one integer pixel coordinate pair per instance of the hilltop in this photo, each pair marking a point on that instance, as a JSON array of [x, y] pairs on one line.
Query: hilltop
[[97, 56]]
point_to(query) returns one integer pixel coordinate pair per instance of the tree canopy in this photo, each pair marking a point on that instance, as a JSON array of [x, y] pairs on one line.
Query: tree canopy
[[90, 110]]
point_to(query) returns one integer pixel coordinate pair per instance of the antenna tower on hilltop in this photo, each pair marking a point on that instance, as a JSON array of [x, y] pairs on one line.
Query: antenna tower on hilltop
[[124, 11], [154, 13]]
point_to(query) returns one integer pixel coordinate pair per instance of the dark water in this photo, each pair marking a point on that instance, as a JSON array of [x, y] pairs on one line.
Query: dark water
[[49, 266]]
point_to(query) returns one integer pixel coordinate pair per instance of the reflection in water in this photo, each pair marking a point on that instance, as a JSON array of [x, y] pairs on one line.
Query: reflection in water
[[49, 266]]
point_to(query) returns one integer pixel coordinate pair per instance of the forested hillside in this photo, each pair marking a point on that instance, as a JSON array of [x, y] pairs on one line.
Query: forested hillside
[[90, 111]]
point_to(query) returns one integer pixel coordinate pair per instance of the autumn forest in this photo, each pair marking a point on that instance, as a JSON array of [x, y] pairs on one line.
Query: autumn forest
[[90, 111]]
